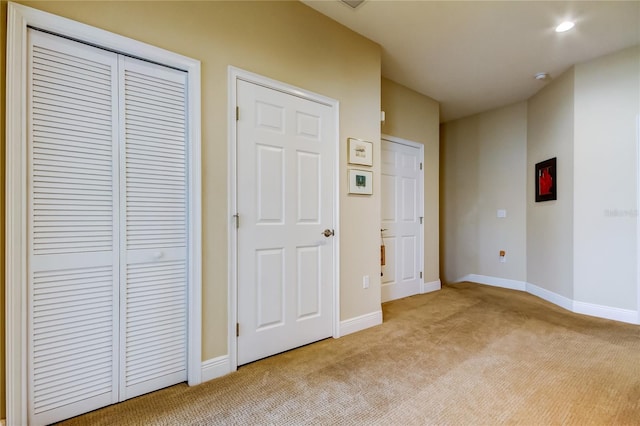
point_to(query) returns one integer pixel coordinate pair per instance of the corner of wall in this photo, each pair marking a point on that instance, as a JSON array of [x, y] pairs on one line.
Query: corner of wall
[[550, 133], [3, 43], [607, 106]]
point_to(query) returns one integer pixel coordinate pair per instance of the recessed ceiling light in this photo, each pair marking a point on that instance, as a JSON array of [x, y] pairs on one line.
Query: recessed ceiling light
[[565, 26]]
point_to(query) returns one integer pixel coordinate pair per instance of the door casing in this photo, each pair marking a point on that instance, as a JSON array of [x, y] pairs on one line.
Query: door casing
[[235, 74], [638, 215], [19, 17]]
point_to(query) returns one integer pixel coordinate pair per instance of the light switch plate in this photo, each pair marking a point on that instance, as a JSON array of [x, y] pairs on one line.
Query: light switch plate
[[502, 213], [365, 281]]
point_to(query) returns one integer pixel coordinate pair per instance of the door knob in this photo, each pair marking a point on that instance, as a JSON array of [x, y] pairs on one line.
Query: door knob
[[328, 232]]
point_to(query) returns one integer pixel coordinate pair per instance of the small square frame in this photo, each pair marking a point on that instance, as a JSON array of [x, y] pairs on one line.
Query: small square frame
[[360, 182], [360, 152], [546, 180]]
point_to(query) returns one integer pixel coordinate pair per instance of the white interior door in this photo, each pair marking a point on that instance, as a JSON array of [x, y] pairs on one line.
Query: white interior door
[[401, 219], [107, 228], [285, 193]]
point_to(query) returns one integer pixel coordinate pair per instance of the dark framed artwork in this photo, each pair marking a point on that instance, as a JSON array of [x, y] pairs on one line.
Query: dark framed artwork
[[360, 182], [546, 180]]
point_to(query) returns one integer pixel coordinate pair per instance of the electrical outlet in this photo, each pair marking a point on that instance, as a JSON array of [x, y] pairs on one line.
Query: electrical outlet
[[365, 281], [503, 256]]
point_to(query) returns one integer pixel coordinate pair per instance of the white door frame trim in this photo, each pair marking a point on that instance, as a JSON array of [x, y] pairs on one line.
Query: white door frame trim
[[19, 17], [638, 216], [420, 148], [235, 74]]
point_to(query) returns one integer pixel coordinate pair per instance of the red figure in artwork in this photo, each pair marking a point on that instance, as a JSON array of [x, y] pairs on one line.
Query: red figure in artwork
[[546, 182]]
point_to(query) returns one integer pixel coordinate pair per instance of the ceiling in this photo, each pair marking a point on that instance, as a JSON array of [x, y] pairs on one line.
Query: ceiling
[[474, 56]]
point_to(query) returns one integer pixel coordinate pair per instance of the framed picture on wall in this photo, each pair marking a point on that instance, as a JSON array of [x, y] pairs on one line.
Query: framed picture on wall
[[546, 180], [360, 152], [360, 182]]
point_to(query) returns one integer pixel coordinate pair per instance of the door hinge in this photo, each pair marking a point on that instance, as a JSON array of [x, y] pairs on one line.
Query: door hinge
[[420, 166], [237, 329], [237, 113], [420, 274], [421, 218], [237, 218]]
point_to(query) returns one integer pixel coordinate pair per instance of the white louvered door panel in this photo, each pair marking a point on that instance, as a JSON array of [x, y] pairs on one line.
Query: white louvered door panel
[[154, 250], [72, 223]]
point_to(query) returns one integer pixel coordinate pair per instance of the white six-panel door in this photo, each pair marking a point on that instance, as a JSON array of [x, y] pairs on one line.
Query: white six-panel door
[[285, 187], [106, 228], [401, 219]]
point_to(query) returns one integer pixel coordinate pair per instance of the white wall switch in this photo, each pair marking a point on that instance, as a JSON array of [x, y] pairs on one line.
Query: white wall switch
[[502, 213], [365, 281]]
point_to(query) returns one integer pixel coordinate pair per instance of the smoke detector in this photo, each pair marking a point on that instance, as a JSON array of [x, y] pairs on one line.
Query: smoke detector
[[543, 76], [353, 3]]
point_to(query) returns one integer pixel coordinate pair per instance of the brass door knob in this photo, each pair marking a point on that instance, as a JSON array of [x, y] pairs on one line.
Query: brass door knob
[[328, 232]]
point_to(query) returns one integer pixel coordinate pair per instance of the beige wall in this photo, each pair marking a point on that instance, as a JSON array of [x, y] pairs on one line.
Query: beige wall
[[415, 117], [3, 43], [582, 246], [458, 199], [286, 41], [607, 104], [550, 223], [483, 160]]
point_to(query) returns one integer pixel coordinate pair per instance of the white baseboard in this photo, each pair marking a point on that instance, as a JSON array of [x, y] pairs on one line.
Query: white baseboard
[[362, 322], [430, 286], [395, 291], [549, 296], [494, 281], [599, 311], [215, 367], [221, 366], [608, 312]]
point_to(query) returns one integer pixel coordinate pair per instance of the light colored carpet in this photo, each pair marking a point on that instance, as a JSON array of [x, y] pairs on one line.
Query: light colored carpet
[[466, 355]]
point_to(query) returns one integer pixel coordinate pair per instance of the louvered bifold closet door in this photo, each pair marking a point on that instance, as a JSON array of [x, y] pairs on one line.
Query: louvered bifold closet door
[[72, 228], [154, 193]]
